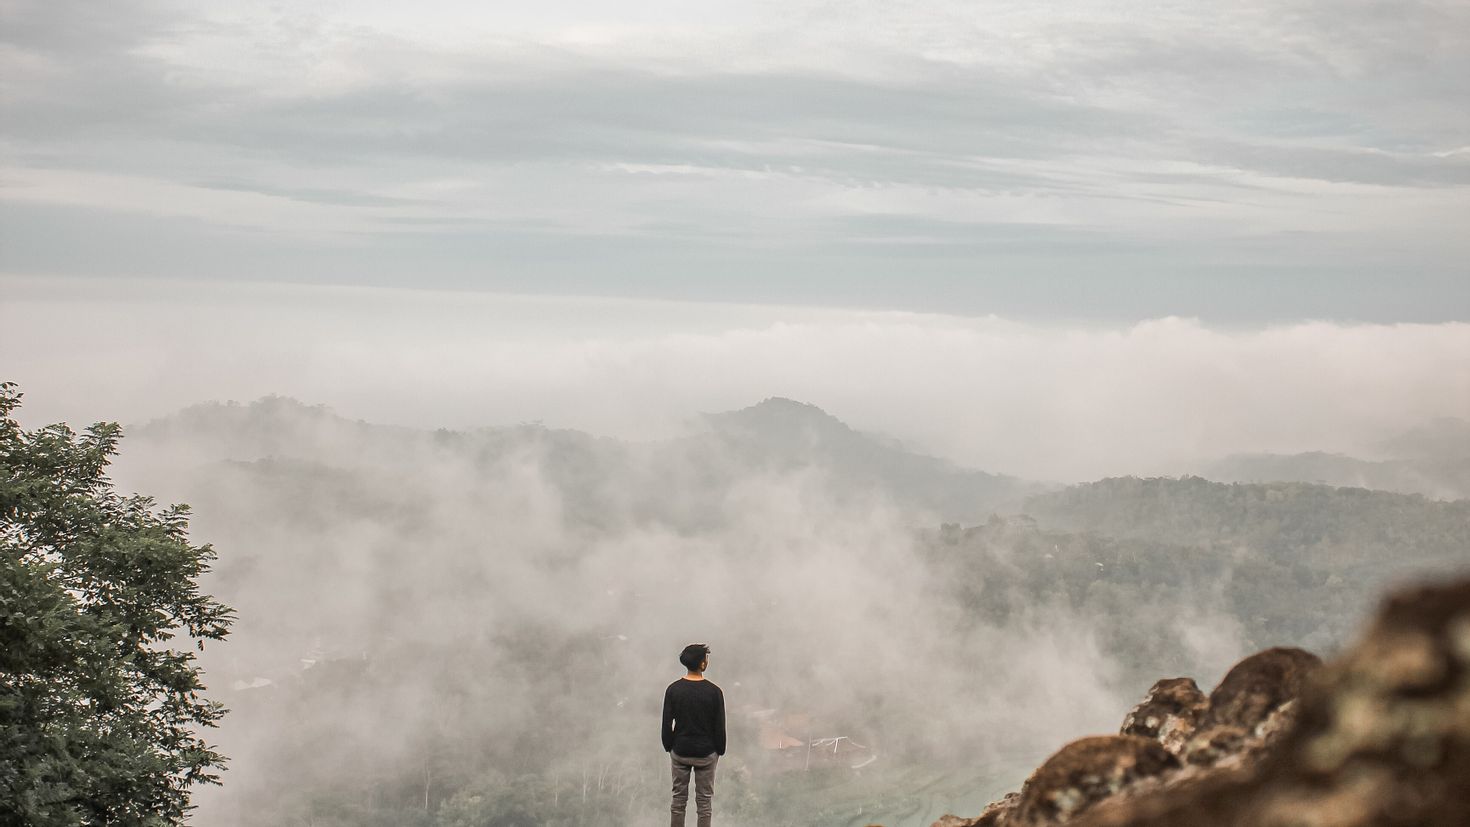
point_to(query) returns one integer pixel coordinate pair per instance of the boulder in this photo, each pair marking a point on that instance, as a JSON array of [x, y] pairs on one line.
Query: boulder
[[1258, 686]]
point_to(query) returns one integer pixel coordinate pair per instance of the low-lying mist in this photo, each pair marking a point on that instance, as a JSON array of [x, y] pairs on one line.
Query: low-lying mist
[[431, 616]]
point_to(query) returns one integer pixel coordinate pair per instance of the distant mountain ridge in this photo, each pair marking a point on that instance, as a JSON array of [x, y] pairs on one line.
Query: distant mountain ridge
[[777, 436], [1432, 459], [1441, 478]]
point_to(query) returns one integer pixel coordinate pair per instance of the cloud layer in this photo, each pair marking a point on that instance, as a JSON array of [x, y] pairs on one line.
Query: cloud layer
[[1052, 401], [1261, 161]]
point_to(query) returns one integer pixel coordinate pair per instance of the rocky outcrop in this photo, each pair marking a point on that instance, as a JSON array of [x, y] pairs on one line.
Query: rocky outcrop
[[1380, 736], [1170, 713], [1085, 772]]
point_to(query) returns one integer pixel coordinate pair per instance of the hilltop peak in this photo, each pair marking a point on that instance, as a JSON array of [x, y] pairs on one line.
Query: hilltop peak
[[785, 403], [777, 412], [269, 406], [269, 426], [783, 406]]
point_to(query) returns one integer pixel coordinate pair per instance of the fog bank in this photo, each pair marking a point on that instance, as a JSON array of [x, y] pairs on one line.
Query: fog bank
[[1043, 400], [475, 607]]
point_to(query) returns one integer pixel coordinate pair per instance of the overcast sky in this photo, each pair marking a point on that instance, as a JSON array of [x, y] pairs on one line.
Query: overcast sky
[[1239, 162]]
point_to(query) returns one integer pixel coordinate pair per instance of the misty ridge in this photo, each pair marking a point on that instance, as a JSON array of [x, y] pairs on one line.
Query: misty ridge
[[1046, 400], [469, 627], [1424, 460]]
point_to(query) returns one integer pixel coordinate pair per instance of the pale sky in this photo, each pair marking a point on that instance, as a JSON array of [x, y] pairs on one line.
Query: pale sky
[[1244, 162]]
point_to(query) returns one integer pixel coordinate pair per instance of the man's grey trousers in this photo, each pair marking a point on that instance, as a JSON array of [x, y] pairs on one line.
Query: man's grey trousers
[[704, 787]]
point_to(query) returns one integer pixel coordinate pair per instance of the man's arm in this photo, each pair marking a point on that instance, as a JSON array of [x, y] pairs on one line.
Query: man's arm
[[667, 731], [720, 724]]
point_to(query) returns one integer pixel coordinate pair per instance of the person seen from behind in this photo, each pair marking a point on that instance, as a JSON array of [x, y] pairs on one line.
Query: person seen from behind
[[694, 734]]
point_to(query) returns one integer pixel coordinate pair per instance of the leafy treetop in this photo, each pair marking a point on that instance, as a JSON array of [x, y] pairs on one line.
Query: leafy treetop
[[100, 710]]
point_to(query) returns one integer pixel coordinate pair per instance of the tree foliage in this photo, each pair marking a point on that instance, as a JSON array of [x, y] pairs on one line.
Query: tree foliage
[[101, 713]]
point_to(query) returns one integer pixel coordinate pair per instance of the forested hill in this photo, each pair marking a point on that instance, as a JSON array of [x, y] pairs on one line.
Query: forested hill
[[1294, 562], [1297, 522]]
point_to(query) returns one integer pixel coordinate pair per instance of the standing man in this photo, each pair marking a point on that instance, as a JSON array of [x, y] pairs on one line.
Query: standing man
[[694, 734]]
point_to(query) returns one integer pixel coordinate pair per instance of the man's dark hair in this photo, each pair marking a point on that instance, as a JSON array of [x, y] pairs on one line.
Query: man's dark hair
[[693, 655]]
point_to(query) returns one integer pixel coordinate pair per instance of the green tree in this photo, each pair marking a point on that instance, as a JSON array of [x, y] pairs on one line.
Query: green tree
[[101, 712]]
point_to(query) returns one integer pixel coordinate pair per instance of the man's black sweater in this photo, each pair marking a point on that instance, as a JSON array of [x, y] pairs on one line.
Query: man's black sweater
[[694, 719]]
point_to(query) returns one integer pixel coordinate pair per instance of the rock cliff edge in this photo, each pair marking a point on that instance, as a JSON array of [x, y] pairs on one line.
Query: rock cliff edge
[[1377, 737]]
